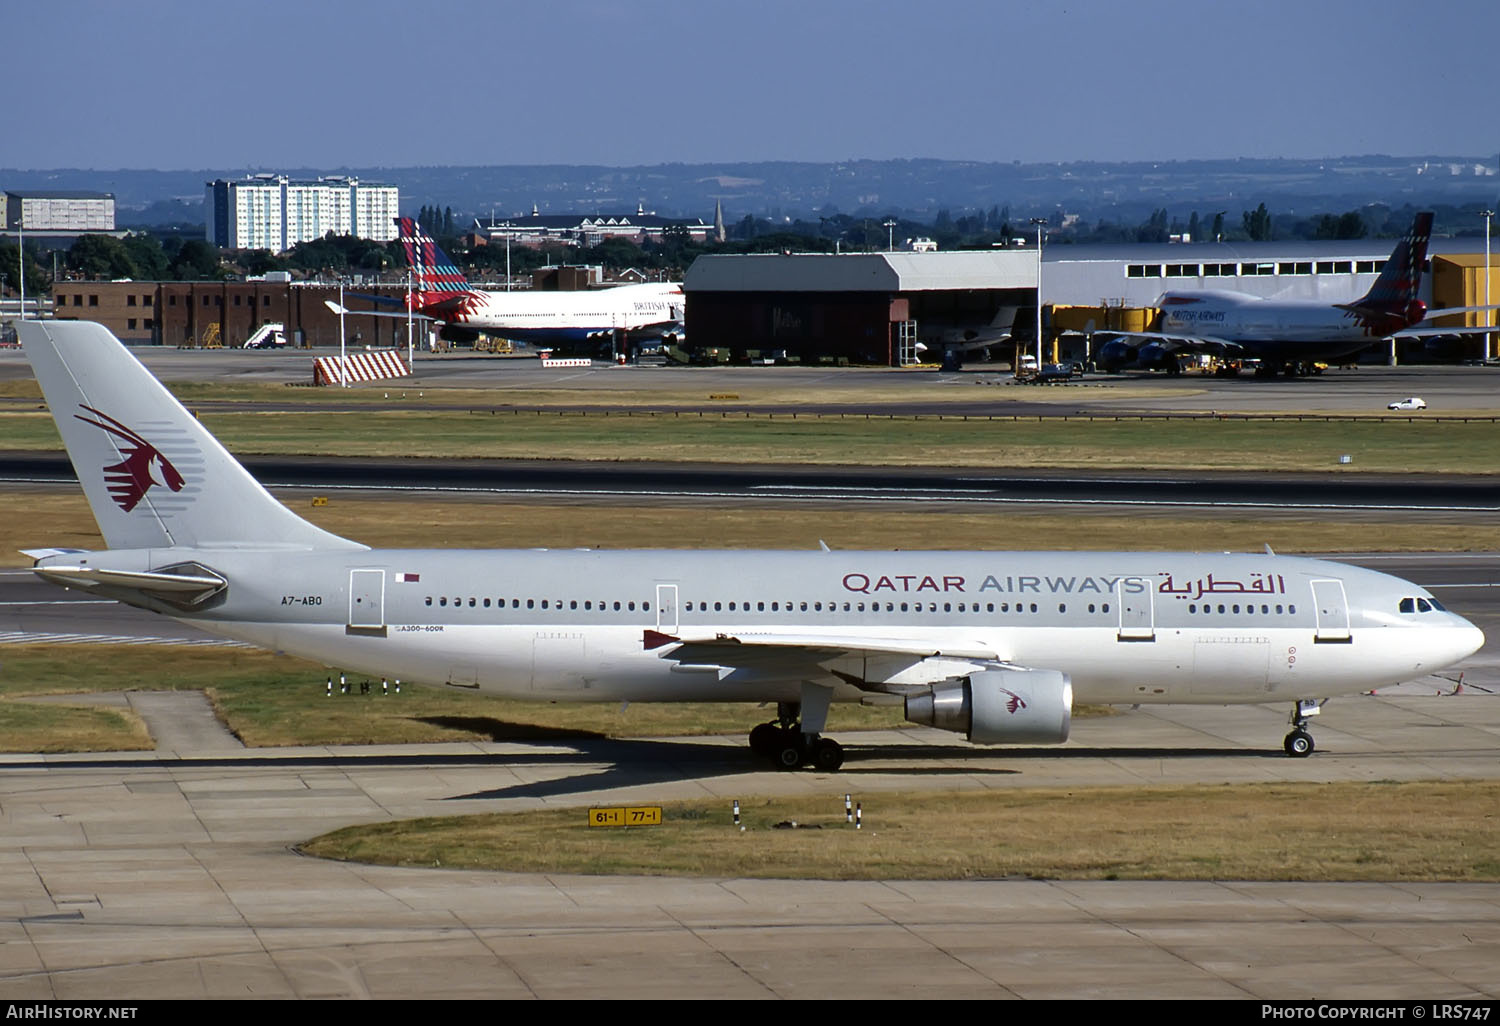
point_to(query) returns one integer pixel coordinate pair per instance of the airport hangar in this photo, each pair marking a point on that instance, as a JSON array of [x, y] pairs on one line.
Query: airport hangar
[[854, 306]]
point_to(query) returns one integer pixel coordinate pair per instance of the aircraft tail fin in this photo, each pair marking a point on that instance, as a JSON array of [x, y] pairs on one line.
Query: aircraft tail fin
[[1394, 293], [437, 277], [153, 475]]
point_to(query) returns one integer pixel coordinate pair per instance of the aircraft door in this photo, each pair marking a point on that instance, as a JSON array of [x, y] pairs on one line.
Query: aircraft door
[[1135, 597], [367, 598], [1332, 608], [666, 608]]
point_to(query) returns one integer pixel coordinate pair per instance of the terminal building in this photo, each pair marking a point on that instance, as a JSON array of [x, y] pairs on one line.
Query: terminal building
[[275, 212], [539, 231]]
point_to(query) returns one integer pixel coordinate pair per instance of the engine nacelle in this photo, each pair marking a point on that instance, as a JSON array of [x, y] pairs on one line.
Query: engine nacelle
[[1156, 356], [1115, 355], [999, 707]]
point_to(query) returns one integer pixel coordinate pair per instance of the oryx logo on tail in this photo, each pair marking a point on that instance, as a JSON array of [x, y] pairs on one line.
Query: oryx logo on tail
[[143, 465]]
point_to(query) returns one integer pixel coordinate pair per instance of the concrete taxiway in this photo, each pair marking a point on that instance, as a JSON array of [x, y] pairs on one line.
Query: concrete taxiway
[[172, 875]]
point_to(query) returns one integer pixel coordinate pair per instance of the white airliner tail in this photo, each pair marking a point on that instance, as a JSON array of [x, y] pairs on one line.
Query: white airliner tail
[[153, 475]]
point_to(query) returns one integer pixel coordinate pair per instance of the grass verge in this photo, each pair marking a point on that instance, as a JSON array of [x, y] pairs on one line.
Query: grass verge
[[1395, 445], [1309, 832]]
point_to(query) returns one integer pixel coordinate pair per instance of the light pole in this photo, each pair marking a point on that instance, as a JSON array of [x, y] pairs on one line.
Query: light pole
[[343, 357], [1040, 222], [410, 344], [1489, 315], [890, 235]]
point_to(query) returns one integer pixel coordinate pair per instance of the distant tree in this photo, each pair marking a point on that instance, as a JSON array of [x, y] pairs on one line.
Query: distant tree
[[1218, 229], [197, 260], [150, 258], [1155, 228], [1345, 226], [38, 281], [101, 256], [259, 261], [1195, 227], [1258, 224]]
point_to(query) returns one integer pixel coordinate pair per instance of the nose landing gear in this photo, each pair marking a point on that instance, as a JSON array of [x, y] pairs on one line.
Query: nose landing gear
[[1299, 743]]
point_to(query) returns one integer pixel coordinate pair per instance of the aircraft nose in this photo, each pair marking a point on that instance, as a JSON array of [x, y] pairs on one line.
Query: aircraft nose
[[1461, 640]]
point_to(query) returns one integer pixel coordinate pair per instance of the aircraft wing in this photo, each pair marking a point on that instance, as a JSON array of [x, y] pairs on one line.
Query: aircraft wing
[[1476, 329], [810, 656], [343, 310], [1193, 343]]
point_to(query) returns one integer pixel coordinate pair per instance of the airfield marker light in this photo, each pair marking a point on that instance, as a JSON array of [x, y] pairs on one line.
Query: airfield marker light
[[385, 687], [737, 814], [848, 810], [859, 816], [330, 686], [343, 685]]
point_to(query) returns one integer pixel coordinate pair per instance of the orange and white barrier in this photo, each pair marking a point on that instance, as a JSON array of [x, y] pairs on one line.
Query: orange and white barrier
[[548, 361], [370, 366]]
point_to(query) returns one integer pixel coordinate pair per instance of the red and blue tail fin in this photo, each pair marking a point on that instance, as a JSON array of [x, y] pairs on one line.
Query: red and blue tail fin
[[1394, 294], [436, 276]]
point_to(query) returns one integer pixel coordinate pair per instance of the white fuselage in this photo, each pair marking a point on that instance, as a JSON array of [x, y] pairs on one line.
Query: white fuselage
[[601, 625], [1240, 317], [571, 315]]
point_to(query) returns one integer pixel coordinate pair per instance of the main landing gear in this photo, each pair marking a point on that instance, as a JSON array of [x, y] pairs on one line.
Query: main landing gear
[[1299, 743], [791, 745]]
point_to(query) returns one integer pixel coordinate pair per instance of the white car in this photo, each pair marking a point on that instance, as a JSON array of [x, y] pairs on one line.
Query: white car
[[1413, 403]]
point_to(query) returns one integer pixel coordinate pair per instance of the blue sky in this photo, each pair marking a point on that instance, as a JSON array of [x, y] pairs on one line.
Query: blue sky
[[175, 84]]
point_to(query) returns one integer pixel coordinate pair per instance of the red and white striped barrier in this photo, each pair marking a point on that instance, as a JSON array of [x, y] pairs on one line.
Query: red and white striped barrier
[[548, 361], [371, 366]]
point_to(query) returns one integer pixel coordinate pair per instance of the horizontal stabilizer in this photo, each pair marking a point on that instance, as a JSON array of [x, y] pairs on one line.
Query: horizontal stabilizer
[[183, 587]]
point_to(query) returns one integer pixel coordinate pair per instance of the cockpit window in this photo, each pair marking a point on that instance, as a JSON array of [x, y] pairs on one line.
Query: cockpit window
[[1423, 606], [1408, 605], [1438, 605]]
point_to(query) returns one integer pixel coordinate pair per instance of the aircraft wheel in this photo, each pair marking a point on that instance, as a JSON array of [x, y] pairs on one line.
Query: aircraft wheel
[[828, 755], [789, 753], [763, 739], [1298, 744]]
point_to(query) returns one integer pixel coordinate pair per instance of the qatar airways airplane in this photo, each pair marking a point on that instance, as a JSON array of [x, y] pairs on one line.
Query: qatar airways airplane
[[994, 645], [441, 293], [1287, 335]]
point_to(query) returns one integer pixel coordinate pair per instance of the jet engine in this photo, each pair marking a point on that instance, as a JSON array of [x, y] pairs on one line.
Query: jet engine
[[997, 707], [1114, 356], [1158, 356]]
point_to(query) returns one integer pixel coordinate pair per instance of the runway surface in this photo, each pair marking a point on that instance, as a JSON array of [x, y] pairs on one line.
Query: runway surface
[[917, 486]]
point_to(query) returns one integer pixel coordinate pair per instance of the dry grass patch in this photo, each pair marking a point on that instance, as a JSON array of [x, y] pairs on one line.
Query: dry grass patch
[[1312, 832]]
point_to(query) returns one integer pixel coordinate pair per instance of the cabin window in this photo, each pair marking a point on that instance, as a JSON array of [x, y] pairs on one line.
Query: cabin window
[[443, 601], [1062, 607], [472, 603], [989, 607], [531, 603], [486, 603]]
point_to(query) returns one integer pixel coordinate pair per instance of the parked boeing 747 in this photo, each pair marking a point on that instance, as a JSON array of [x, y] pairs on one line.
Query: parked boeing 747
[[1287, 335], [996, 646], [441, 293]]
